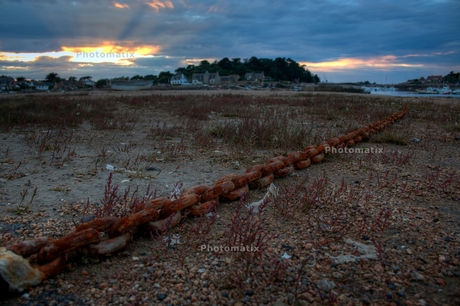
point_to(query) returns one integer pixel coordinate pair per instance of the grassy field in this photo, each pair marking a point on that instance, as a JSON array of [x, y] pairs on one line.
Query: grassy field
[[379, 228]]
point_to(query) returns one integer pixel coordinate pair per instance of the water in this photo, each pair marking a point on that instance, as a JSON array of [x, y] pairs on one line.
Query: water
[[412, 94]]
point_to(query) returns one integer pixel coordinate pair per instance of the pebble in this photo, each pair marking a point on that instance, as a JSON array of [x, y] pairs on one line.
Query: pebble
[[402, 294], [417, 276], [391, 286], [325, 285], [162, 296], [378, 268]]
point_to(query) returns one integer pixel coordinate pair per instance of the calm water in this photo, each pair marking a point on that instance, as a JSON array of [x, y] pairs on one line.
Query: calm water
[[413, 94]]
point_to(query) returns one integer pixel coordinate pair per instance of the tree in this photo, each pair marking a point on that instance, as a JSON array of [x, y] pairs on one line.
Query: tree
[[20, 79], [72, 79], [51, 76], [164, 77], [137, 77], [150, 77], [101, 83]]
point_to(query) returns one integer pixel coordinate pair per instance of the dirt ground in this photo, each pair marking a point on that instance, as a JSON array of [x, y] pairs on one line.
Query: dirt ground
[[403, 203]]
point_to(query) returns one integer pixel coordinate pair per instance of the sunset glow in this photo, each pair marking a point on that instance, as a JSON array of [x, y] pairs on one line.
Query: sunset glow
[[383, 62], [158, 4], [121, 6]]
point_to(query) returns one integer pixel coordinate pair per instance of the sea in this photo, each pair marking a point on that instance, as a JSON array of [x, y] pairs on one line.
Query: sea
[[413, 94]]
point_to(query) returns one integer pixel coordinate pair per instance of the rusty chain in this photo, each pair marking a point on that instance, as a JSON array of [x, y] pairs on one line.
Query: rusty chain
[[158, 215]]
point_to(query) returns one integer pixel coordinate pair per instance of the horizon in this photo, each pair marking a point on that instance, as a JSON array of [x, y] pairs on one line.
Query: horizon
[[388, 42]]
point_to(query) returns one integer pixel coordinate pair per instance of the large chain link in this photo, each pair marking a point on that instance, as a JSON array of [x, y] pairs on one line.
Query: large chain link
[[159, 215]]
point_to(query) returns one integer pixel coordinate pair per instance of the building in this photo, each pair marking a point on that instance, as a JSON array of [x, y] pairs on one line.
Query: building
[[434, 79], [7, 83], [180, 79], [41, 85], [254, 76], [207, 78]]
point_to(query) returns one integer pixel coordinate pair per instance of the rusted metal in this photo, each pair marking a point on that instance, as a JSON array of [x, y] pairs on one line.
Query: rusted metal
[[159, 215]]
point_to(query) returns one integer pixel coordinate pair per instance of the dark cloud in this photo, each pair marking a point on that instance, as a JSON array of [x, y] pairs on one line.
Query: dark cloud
[[305, 31]]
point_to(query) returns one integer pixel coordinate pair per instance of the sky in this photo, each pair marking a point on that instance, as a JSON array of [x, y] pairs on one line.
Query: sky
[[339, 40]]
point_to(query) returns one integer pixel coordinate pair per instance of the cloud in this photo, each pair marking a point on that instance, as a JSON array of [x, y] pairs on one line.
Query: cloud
[[330, 35], [158, 4], [120, 5]]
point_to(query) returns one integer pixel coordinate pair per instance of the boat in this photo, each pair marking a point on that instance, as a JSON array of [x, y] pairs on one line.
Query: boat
[[130, 86], [445, 90], [428, 91]]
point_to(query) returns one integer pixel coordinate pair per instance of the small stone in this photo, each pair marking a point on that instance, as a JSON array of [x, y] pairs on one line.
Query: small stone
[[395, 268], [246, 299], [391, 286], [87, 218], [378, 268], [67, 287], [224, 294], [416, 140], [402, 294], [102, 286], [365, 237], [84, 272], [389, 296], [440, 281], [325, 285], [249, 293], [161, 296], [337, 275], [408, 251], [25, 296], [447, 239], [417, 276]]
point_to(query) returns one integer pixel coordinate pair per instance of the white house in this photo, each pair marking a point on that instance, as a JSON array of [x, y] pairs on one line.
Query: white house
[[180, 79], [41, 85]]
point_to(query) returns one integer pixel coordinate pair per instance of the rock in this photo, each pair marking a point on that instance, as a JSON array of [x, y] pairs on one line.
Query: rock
[[440, 281], [389, 296], [102, 286], [417, 276], [85, 219], [249, 293], [378, 268], [246, 299], [395, 268], [337, 275], [325, 285], [447, 239], [416, 140], [391, 286], [161, 296], [402, 294]]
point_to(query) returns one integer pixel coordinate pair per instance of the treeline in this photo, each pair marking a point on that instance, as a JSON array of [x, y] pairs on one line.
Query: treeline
[[279, 69]]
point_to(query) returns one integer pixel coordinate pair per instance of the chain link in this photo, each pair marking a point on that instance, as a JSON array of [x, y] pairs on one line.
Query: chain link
[[159, 215]]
